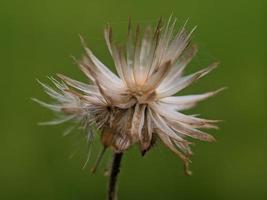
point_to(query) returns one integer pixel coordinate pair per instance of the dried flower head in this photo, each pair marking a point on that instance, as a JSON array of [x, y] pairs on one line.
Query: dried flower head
[[136, 105]]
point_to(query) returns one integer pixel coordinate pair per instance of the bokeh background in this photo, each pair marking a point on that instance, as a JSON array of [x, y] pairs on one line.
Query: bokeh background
[[36, 39]]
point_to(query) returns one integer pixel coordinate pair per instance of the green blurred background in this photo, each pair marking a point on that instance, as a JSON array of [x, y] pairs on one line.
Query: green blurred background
[[36, 39]]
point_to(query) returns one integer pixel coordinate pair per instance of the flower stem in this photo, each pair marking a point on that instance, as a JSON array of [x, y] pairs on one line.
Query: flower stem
[[115, 170]]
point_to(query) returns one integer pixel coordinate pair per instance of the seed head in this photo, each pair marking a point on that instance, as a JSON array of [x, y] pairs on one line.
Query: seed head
[[137, 105]]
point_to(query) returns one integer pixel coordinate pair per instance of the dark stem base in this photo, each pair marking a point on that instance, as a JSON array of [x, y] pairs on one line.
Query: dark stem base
[[115, 170]]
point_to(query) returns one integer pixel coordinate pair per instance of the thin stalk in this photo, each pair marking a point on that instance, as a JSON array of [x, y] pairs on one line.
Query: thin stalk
[[115, 170]]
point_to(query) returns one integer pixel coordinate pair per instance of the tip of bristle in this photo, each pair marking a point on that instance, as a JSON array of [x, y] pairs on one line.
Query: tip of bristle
[[143, 152]]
